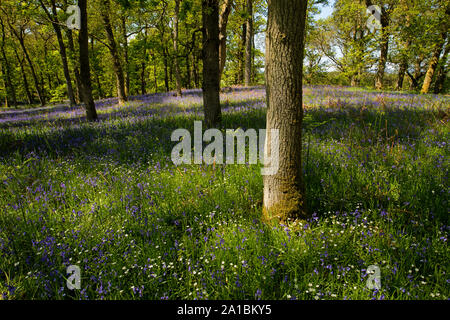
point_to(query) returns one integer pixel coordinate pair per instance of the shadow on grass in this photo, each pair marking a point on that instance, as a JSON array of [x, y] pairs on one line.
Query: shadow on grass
[[141, 135]]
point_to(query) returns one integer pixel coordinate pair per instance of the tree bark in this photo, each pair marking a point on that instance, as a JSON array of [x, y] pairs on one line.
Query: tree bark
[[248, 44], [211, 82], [433, 64], [284, 191], [85, 69], [223, 22], [112, 46]]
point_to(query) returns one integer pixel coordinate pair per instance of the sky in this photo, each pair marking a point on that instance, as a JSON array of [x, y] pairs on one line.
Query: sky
[[326, 10]]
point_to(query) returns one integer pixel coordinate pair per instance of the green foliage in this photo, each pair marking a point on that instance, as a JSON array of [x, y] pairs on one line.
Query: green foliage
[[106, 197]]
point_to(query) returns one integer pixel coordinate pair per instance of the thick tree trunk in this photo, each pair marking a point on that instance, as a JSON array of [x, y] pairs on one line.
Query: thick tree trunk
[[211, 82], [85, 69], [112, 46], [284, 191], [175, 49], [248, 44], [433, 64], [223, 22]]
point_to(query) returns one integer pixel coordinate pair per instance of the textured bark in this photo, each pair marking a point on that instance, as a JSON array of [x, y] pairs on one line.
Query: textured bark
[[85, 69], [175, 49], [283, 191], [112, 46], [248, 44], [433, 64], [211, 82], [223, 22]]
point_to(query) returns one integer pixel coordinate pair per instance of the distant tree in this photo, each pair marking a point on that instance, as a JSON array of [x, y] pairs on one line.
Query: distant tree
[[52, 15], [105, 9]]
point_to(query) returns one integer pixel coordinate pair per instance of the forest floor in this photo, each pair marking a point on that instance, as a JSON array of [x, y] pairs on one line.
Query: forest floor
[[106, 197]]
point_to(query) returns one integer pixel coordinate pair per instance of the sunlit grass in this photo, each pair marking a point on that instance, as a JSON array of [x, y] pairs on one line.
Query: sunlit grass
[[106, 197]]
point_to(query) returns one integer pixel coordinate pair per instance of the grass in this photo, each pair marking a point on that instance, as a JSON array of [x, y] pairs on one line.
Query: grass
[[106, 197]]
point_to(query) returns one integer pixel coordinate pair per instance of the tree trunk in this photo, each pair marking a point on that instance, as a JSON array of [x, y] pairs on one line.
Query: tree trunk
[[242, 54], [433, 64], [284, 191], [19, 36], [248, 44], [75, 62], [85, 69], [401, 74], [24, 78], [175, 49], [188, 71], [442, 73], [9, 85], [379, 81], [211, 82], [112, 46], [143, 83], [403, 67], [223, 22], [195, 71], [125, 53], [53, 16]]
